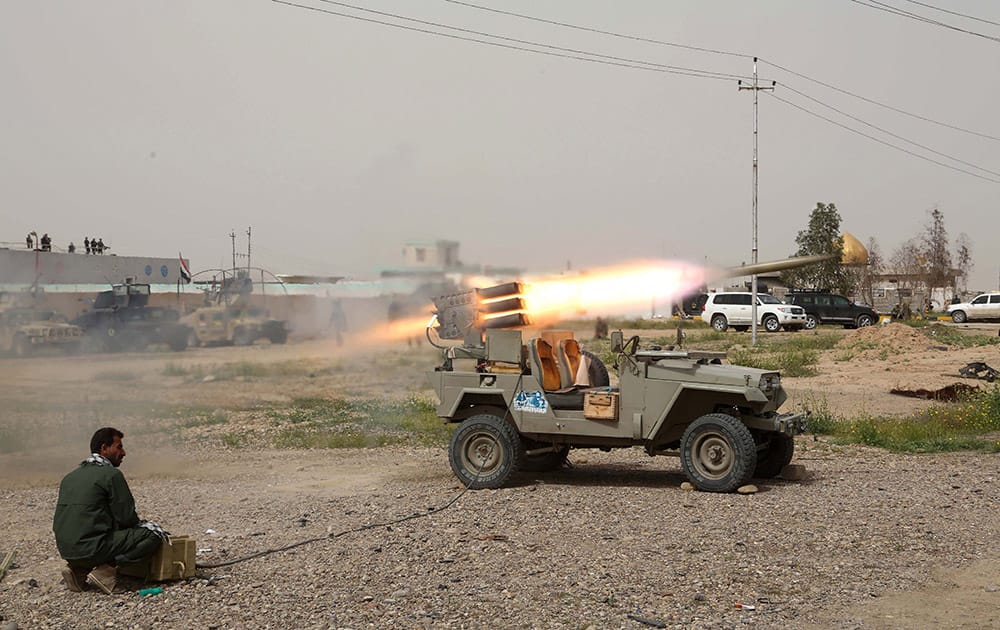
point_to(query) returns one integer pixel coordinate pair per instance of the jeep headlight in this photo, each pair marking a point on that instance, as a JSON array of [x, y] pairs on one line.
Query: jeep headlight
[[770, 383]]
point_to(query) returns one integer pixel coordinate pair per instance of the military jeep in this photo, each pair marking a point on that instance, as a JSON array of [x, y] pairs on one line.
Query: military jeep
[[522, 404], [23, 331], [234, 325]]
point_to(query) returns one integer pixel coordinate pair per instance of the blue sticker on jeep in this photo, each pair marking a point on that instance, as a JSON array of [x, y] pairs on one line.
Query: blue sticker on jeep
[[532, 402]]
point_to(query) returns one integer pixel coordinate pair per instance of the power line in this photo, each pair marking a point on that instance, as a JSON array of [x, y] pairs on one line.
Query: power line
[[964, 15], [880, 141], [730, 53], [881, 104], [599, 31], [888, 8], [625, 63], [887, 132], [397, 16], [649, 68]]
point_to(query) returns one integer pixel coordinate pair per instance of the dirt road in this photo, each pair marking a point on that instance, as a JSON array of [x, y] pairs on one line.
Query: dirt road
[[869, 539]]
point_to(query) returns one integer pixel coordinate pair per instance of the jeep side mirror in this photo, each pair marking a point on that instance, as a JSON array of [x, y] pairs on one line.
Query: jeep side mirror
[[617, 341]]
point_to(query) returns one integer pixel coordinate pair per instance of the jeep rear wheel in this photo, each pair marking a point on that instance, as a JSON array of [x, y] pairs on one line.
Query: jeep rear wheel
[[485, 451], [278, 336], [771, 323], [718, 453], [719, 323], [243, 337], [775, 456], [811, 321]]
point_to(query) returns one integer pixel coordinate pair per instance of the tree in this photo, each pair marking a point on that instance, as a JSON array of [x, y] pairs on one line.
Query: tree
[[936, 257], [908, 262], [822, 236], [963, 259]]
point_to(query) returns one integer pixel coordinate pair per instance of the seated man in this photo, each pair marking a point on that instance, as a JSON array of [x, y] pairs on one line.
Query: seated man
[[95, 523]]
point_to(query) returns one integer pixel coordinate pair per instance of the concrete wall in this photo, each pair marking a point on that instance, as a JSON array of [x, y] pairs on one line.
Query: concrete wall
[[23, 266]]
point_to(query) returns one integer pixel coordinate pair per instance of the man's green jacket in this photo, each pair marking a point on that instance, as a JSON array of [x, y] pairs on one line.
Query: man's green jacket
[[93, 502]]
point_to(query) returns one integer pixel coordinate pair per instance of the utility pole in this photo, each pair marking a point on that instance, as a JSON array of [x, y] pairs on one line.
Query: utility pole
[[232, 237], [755, 87], [248, 252]]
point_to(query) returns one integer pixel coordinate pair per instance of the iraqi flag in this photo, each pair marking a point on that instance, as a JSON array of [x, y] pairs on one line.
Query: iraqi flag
[[185, 270]]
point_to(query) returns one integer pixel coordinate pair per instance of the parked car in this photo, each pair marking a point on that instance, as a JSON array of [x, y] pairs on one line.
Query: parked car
[[830, 308], [735, 309], [691, 304], [984, 306]]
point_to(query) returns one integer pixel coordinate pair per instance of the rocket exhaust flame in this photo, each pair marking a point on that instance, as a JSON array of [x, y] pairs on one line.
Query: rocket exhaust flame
[[610, 291]]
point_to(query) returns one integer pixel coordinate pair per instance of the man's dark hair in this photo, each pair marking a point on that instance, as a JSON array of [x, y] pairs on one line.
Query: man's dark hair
[[104, 437]]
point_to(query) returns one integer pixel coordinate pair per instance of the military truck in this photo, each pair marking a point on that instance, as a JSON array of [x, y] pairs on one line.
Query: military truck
[[121, 320], [233, 325], [523, 403], [24, 331]]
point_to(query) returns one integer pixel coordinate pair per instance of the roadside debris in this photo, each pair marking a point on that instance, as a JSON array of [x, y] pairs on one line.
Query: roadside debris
[[948, 393], [980, 370]]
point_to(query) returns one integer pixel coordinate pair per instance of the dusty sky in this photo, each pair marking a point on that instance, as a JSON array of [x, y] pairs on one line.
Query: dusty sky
[[162, 125]]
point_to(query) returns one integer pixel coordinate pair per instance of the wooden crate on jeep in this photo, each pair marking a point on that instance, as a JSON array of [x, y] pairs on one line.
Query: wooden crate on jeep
[[601, 406]]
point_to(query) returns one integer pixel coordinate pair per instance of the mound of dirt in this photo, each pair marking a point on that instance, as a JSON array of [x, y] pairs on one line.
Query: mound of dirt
[[883, 342]]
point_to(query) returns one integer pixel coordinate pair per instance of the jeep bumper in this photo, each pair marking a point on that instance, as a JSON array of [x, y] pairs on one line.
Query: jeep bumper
[[787, 423], [790, 423]]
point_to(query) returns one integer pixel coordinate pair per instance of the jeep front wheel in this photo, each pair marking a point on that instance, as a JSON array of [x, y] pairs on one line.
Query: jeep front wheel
[[719, 323], [959, 317], [485, 451], [718, 453], [864, 320], [811, 322]]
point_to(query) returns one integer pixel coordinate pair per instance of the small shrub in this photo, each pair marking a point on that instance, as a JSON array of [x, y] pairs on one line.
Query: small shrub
[[232, 440]]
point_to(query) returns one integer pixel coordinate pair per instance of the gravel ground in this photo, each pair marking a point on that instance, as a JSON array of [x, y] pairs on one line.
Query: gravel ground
[[586, 547]]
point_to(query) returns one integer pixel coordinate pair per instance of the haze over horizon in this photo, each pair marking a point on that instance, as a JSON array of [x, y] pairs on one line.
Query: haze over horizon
[[163, 126]]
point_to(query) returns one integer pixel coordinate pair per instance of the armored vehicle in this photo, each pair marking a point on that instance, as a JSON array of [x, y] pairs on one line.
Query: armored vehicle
[[523, 403], [121, 320], [233, 325], [23, 331]]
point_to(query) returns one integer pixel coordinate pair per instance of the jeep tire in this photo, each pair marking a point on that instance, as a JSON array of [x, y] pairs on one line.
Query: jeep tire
[[598, 372], [243, 336], [775, 456], [811, 321], [959, 317], [864, 320], [485, 451], [718, 453]]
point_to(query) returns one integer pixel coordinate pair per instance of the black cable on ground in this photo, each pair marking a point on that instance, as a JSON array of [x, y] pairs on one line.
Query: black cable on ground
[[429, 512]]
